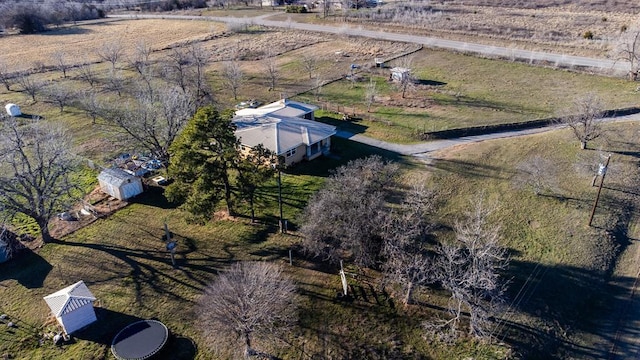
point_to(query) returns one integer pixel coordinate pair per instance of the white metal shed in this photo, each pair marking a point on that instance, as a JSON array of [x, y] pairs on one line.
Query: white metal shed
[[13, 110], [119, 183], [72, 307]]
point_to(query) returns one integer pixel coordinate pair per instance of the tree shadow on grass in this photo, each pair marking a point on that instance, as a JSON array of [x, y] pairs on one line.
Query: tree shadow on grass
[[343, 151], [474, 103], [153, 269], [108, 324], [351, 126], [471, 169], [178, 347], [430, 82], [564, 301], [28, 268], [154, 196]]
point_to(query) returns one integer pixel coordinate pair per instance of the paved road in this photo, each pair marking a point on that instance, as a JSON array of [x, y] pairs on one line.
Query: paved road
[[423, 149], [486, 50]]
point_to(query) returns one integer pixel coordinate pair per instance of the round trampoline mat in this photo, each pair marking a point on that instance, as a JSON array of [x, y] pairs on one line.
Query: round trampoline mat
[[139, 340]]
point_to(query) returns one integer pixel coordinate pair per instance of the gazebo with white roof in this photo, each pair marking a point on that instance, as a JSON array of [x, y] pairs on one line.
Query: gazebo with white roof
[[72, 307]]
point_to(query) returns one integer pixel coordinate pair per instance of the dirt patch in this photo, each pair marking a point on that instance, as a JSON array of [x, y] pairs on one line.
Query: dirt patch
[[96, 205]]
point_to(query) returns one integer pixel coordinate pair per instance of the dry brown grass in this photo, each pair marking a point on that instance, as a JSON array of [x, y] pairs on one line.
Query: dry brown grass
[[81, 42], [556, 26]]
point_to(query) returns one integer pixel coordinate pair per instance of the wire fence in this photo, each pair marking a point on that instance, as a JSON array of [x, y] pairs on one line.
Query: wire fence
[[351, 113]]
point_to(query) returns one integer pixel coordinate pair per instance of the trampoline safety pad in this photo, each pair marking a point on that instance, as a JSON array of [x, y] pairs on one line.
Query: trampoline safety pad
[[139, 340]]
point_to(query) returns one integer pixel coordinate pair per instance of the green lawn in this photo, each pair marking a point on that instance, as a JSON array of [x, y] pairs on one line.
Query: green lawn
[[123, 261], [561, 268], [561, 263], [464, 91]]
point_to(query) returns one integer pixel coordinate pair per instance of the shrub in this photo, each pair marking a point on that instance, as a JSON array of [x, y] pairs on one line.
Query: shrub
[[588, 35], [298, 9]]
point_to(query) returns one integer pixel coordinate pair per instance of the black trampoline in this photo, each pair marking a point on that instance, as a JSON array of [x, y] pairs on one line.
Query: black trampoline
[[140, 340]]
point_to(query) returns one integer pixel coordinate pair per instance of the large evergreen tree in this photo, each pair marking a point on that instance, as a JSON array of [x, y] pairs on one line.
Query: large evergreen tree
[[201, 158]]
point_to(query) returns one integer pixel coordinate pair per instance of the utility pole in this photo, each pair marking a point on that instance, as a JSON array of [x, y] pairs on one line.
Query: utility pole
[[595, 204], [281, 221], [278, 166]]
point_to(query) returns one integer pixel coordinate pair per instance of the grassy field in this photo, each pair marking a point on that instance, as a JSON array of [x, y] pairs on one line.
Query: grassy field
[[123, 261], [457, 91], [454, 90], [560, 268], [561, 264]]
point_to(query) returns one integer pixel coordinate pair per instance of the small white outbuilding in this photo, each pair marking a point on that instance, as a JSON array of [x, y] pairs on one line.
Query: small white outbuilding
[[72, 307], [13, 110], [119, 183]]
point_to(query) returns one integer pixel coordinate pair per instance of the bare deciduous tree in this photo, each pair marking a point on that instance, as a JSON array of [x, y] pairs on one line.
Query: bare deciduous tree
[[115, 82], [152, 122], [35, 169], [249, 306], [200, 58], [538, 173], [141, 63], [232, 75], [370, 94], [88, 74], [355, 193], [140, 60], [407, 261], [30, 86], [91, 105], [407, 81], [60, 95], [309, 64], [627, 49], [60, 59], [270, 64], [584, 118], [178, 67], [111, 52], [5, 76], [470, 270]]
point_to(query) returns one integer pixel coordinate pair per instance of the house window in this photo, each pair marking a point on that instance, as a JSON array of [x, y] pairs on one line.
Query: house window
[[291, 152]]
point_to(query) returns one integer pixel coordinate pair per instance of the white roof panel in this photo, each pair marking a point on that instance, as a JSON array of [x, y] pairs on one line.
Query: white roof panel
[[70, 298], [115, 176], [280, 134], [284, 107]]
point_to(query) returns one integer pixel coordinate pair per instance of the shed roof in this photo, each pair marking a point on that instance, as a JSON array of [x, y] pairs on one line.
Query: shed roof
[[284, 107], [115, 176], [280, 134], [70, 298]]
